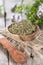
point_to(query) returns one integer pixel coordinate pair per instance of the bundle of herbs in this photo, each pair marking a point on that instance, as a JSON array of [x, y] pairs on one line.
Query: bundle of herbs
[[22, 28]]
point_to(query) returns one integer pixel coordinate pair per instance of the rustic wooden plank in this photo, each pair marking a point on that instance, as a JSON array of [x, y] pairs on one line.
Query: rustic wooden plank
[[3, 56], [35, 45], [28, 61], [11, 61], [37, 60]]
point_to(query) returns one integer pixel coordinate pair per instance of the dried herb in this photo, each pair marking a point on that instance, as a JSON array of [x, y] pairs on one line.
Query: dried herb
[[22, 28]]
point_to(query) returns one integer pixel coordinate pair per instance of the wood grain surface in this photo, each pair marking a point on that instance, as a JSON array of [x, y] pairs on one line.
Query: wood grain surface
[[35, 57]]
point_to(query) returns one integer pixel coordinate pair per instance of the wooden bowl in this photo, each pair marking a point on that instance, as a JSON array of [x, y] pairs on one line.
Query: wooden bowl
[[26, 37], [31, 36]]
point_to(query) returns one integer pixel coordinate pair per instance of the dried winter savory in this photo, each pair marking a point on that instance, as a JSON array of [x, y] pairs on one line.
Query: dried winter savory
[[22, 28]]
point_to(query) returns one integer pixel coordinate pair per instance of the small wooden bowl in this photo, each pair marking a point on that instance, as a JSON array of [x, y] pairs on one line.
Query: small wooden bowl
[[31, 36], [26, 37]]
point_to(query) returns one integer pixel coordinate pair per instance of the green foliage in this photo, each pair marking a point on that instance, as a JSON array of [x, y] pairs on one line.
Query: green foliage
[[13, 9], [32, 10], [0, 10], [18, 8]]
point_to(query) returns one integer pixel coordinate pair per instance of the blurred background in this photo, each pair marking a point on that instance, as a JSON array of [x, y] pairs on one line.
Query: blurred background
[[7, 6]]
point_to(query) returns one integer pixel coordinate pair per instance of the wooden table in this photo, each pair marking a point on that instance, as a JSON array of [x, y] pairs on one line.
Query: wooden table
[[36, 49]]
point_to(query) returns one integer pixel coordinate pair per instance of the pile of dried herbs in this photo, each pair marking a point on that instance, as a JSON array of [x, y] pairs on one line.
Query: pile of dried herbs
[[22, 28]]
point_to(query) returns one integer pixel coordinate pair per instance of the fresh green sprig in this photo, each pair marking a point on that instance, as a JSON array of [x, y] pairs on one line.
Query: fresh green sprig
[[32, 11]]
